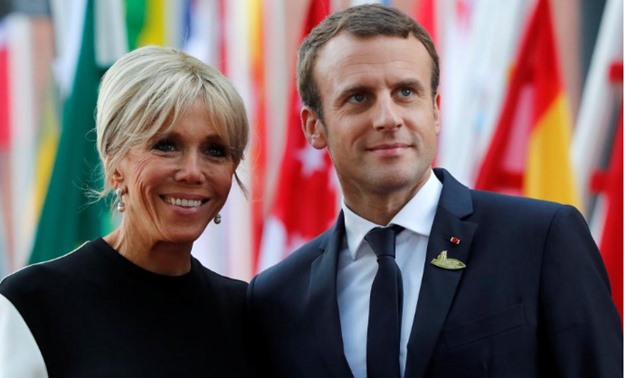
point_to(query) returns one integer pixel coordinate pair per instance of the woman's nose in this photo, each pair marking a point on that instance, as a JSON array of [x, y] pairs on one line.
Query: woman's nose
[[191, 169]]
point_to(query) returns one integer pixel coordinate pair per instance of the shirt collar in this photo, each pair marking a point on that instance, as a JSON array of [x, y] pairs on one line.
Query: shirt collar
[[417, 215]]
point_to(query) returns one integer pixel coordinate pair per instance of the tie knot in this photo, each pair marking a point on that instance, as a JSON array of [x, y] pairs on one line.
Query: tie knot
[[382, 240]]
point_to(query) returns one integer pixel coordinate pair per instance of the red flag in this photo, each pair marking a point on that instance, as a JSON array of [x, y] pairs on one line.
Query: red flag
[[4, 92], [610, 184], [529, 152], [612, 243], [426, 16], [6, 231], [305, 202]]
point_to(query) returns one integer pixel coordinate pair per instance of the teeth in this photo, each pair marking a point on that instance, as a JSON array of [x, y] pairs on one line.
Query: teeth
[[183, 202]]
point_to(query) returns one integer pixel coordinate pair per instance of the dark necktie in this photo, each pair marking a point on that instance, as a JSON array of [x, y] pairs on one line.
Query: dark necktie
[[384, 326]]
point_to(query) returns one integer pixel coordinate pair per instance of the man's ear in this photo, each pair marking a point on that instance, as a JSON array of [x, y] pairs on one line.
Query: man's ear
[[437, 113], [313, 128]]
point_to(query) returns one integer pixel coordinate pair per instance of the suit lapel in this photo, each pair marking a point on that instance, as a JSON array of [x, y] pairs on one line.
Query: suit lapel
[[439, 285], [322, 306]]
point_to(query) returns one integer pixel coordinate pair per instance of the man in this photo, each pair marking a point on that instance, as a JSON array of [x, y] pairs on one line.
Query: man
[[491, 285]]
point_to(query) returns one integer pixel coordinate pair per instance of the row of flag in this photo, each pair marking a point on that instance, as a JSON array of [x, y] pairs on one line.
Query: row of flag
[[507, 124]]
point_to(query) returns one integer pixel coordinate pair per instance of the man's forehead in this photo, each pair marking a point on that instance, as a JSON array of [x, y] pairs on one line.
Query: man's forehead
[[349, 49]]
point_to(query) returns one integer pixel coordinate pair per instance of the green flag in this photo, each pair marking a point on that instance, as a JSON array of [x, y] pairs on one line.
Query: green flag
[[69, 217]]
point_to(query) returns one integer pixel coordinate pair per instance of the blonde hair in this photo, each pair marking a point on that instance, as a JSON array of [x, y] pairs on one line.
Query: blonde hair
[[145, 92]]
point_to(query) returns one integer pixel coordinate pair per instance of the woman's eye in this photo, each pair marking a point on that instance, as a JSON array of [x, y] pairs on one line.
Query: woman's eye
[[216, 150], [164, 145]]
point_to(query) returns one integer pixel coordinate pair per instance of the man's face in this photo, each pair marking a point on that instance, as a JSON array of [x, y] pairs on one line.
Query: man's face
[[380, 121]]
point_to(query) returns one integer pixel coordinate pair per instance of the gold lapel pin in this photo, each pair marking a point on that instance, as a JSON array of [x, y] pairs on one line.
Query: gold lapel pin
[[449, 263]]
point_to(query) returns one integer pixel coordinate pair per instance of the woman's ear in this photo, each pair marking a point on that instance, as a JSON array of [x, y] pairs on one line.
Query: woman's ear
[[116, 178], [313, 128]]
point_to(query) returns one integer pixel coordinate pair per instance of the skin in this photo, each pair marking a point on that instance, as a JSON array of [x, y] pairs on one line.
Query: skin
[[380, 123], [188, 163]]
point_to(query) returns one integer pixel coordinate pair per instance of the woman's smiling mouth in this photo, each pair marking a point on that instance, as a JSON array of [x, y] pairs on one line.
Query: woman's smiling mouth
[[183, 202]]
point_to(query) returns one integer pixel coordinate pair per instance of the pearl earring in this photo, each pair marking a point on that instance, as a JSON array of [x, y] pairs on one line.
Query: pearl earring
[[217, 219], [120, 205]]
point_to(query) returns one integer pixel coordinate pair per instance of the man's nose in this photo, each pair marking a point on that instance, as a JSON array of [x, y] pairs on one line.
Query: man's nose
[[387, 116]]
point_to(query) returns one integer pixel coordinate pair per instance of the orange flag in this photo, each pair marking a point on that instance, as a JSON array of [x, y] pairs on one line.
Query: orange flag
[[258, 122], [305, 202], [529, 152]]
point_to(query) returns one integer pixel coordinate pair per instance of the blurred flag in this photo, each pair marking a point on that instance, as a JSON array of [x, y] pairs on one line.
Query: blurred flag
[[236, 224], [22, 136], [47, 146], [305, 202], [361, 2], [610, 184], [203, 30], [259, 134], [154, 30], [4, 257], [454, 51], [4, 148], [481, 40], [529, 152], [597, 148], [594, 127], [426, 16], [69, 218], [5, 117]]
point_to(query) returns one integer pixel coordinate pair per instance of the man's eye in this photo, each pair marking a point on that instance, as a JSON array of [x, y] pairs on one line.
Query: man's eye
[[357, 98], [216, 150], [406, 92], [164, 145]]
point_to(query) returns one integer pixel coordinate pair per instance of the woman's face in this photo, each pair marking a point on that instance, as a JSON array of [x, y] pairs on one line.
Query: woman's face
[[176, 184]]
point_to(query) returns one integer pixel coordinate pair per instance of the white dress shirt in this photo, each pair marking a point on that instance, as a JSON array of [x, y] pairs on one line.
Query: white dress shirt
[[357, 266]]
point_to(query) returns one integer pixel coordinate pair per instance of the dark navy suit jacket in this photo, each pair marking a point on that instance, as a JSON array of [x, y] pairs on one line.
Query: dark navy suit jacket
[[533, 301]]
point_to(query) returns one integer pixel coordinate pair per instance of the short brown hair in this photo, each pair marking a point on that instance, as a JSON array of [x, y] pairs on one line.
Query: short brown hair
[[369, 20]]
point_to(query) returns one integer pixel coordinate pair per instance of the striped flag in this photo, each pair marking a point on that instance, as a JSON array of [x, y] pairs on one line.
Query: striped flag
[[305, 202], [529, 152]]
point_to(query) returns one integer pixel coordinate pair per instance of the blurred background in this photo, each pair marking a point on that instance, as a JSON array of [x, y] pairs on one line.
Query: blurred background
[[531, 104]]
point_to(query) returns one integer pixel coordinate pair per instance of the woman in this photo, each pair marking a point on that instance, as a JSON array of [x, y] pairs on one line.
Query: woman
[[171, 132]]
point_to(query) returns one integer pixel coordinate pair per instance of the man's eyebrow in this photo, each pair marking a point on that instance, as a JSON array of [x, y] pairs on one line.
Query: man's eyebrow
[[351, 89], [412, 83]]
